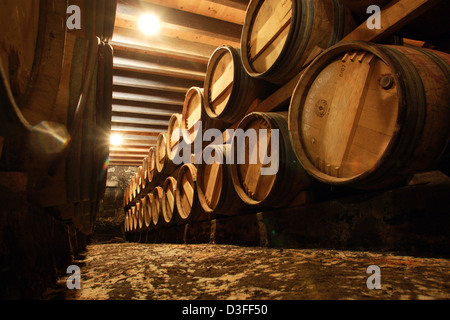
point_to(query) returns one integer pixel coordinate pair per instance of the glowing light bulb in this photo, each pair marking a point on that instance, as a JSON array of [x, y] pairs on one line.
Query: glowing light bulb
[[149, 24], [116, 139]]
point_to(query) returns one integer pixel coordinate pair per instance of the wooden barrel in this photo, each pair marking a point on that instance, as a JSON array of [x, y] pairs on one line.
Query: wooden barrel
[[133, 187], [125, 197], [174, 134], [138, 178], [32, 44], [169, 205], [164, 165], [229, 90], [369, 116], [215, 188], [140, 215], [134, 220], [156, 207], [279, 36], [148, 222], [270, 184], [151, 170], [192, 113], [144, 173], [189, 208], [146, 219], [126, 223]]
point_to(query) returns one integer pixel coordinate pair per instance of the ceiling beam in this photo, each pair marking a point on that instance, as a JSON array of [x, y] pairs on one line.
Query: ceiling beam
[[237, 4], [182, 20], [230, 11], [157, 82], [161, 43], [141, 121], [149, 110]]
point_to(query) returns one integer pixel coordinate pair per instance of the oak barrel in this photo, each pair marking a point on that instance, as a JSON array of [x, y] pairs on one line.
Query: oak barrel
[[138, 179], [156, 206], [215, 188], [134, 221], [174, 134], [281, 179], [229, 90], [140, 215], [151, 162], [192, 113], [369, 116], [188, 205], [146, 210], [279, 36], [32, 44], [169, 205], [144, 173], [164, 165]]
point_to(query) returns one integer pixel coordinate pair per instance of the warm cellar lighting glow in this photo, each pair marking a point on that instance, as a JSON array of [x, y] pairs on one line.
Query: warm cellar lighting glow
[[116, 139], [149, 24]]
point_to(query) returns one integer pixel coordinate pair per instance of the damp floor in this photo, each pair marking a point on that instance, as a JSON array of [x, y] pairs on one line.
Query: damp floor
[[137, 271]]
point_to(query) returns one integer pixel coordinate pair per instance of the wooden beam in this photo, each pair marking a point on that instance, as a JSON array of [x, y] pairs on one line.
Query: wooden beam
[[182, 20], [135, 131], [160, 43], [394, 16], [151, 109], [128, 64], [147, 99], [173, 31], [135, 120], [237, 4], [119, 44], [228, 10], [157, 82]]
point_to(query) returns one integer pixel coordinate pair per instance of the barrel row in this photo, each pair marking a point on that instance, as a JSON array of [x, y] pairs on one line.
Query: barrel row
[[363, 115]]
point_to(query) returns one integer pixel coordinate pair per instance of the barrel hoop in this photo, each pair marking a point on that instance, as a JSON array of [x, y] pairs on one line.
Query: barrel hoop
[[305, 20], [339, 23]]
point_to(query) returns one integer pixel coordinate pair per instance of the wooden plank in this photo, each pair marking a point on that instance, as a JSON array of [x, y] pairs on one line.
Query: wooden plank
[[394, 16], [142, 48], [227, 10], [223, 82], [152, 109], [272, 26], [337, 134], [281, 98], [128, 64], [176, 32], [237, 4], [144, 98], [213, 185], [162, 44], [149, 84], [182, 19], [144, 121], [188, 190]]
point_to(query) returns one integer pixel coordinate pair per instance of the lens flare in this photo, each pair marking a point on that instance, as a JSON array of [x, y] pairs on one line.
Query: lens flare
[[116, 139], [149, 24]]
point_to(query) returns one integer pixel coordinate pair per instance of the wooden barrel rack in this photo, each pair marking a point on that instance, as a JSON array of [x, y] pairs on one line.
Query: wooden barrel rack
[[339, 88]]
